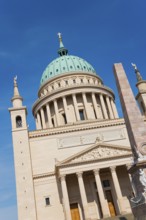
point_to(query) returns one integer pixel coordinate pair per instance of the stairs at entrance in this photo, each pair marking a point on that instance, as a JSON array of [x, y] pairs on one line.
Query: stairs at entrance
[[121, 217]]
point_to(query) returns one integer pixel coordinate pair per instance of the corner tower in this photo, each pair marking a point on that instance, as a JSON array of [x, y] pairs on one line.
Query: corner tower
[[23, 168], [141, 96]]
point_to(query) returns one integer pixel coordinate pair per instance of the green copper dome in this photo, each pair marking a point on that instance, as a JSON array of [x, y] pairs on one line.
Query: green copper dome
[[65, 64]]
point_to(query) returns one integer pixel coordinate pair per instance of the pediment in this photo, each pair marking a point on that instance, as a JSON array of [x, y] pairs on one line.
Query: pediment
[[101, 151]]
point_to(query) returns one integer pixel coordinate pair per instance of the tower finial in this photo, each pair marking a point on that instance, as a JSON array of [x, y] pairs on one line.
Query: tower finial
[[60, 36], [138, 75], [15, 80], [17, 99], [60, 40], [62, 50]]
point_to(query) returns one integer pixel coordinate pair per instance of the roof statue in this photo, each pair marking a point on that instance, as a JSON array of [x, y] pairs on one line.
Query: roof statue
[[138, 76], [15, 80]]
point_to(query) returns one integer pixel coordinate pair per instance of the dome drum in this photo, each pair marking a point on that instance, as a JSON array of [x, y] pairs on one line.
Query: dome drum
[[69, 80], [70, 107]]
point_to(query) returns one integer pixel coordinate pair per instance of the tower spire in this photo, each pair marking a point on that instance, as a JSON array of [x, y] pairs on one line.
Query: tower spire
[[16, 99], [138, 75], [62, 50]]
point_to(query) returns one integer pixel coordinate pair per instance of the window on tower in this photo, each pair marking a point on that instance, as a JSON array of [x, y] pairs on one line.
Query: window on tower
[[18, 122], [47, 201]]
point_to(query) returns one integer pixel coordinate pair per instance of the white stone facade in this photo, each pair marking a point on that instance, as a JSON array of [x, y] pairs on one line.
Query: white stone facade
[[74, 165]]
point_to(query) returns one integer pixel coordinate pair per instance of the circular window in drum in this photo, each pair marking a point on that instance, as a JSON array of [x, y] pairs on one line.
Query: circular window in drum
[[84, 67], [46, 76], [63, 68], [71, 67], [56, 70], [50, 73], [78, 66]]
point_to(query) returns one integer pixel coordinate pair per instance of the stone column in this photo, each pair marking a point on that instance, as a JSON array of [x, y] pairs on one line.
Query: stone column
[[85, 105], [43, 118], [109, 108], [39, 126], [114, 109], [83, 195], [95, 105], [56, 112], [117, 188], [133, 193], [103, 201], [49, 116], [65, 198], [65, 108], [76, 107], [103, 106]]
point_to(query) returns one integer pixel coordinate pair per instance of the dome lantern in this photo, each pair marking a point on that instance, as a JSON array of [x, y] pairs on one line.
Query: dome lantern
[[62, 50]]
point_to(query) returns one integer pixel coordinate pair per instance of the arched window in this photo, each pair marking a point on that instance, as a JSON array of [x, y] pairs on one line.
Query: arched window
[[18, 122]]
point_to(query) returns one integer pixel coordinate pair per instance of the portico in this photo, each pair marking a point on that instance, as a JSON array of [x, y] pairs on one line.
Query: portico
[[95, 187]]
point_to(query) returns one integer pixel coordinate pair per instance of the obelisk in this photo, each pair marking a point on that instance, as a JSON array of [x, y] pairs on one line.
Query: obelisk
[[136, 129]]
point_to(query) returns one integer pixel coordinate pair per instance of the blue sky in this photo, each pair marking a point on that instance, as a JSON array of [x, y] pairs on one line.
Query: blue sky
[[102, 32]]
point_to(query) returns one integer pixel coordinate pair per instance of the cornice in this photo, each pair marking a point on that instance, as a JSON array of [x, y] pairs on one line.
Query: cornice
[[95, 160], [44, 175], [78, 126]]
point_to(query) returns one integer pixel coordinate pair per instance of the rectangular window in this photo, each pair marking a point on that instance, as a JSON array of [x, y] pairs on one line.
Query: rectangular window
[[81, 113], [106, 183], [47, 200]]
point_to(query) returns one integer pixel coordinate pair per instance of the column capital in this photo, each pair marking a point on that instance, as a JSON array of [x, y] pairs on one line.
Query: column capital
[[96, 171], [113, 168], [79, 174], [128, 166], [62, 177]]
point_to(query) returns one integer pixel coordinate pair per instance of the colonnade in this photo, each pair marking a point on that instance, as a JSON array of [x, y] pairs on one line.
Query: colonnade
[[104, 108], [103, 201]]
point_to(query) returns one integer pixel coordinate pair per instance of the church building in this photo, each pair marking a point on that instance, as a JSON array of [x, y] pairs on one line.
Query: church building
[[74, 166]]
